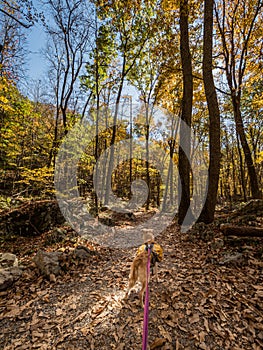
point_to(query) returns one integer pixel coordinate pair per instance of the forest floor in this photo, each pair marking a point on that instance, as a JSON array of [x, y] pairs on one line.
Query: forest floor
[[203, 299]]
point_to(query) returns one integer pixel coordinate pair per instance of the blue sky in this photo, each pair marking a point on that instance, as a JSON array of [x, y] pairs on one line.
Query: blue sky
[[36, 62]]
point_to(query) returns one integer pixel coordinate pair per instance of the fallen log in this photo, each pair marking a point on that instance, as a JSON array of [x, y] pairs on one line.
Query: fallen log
[[241, 231], [254, 206]]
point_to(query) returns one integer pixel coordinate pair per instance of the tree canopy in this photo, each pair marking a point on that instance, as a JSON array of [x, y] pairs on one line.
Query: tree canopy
[[125, 53]]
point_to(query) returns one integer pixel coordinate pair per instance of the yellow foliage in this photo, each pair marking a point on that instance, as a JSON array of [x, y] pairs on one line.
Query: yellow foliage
[[259, 159], [169, 5], [6, 89], [38, 179]]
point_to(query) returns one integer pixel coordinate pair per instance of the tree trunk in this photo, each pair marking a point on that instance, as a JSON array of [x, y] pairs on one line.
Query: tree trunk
[[241, 167], [255, 191], [207, 214], [186, 116], [55, 143], [169, 180], [148, 180], [113, 138], [97, 77], [236, 52]]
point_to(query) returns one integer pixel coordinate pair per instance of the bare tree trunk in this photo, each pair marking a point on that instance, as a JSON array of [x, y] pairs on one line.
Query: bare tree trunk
[[255, 191], [148, 180], [127, 65], [55, 143], [207, 214], [235, 55], [169, 180], [97, 113], [186, 116], [242, 175], [113, 137]]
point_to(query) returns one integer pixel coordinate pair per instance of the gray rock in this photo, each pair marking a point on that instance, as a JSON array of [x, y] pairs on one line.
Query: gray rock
[[8, 260], [6, 280], [48, 262], [9, 270], [82, 252], [233, 259], [218, 243]]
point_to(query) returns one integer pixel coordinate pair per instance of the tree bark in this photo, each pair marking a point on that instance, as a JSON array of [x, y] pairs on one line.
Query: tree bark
[[207, 214], [148, 179], [242, 231], [255, 191], [235, 55], [186, 116]]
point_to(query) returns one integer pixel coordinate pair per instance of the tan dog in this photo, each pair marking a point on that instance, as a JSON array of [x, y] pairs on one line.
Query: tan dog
[[138, 272]]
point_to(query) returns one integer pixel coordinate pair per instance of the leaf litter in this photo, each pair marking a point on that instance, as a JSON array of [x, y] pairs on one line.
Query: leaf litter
[[198, 303]]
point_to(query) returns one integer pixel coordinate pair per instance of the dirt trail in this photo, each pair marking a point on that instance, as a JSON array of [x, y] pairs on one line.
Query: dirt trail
[[198, 303]]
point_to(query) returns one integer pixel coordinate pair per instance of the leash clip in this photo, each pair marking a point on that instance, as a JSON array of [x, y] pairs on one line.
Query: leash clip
[[148, 246]]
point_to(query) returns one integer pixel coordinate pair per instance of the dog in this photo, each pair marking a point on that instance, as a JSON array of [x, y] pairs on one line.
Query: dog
[[138, 271]]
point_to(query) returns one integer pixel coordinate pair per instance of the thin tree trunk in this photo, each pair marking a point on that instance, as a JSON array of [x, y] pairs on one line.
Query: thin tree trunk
[[242, 175], [235, 54], [171, 164], [131, 139], [55, 143], [148, 180], [97, 77], [186, 116], [113, 138], [207, 214], [255, 191]]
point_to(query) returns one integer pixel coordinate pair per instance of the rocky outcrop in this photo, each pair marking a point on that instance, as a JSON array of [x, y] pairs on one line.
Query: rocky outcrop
[[48, 263], [52, 264], [32, 218], [9, 270]]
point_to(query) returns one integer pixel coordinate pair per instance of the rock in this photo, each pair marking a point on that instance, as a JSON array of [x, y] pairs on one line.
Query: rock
[[217, 243], [31, 218], [48, 262], [9, 270], [82, 252], [57, 235], [123, 216], [8, 276], [8, 260], [6, 279], [233, 259]]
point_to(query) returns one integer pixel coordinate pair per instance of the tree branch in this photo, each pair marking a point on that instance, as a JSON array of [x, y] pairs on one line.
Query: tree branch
[[25, 25]]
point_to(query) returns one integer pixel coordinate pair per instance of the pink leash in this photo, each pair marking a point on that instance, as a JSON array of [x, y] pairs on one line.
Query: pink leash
[[146, 305]]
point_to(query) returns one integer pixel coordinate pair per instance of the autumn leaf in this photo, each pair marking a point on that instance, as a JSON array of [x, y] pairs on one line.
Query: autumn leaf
[[158, 342]]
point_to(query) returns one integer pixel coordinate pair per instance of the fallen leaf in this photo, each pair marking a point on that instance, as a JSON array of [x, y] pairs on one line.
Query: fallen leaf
[[59, 312], [157, 343], [203, 346], [202, 336], [206, 325], [15, 310], [36, 334], [165, 334], [194, 318]]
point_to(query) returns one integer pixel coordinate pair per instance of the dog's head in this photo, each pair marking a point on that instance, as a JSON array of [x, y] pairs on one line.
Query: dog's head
[[148, 237]]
